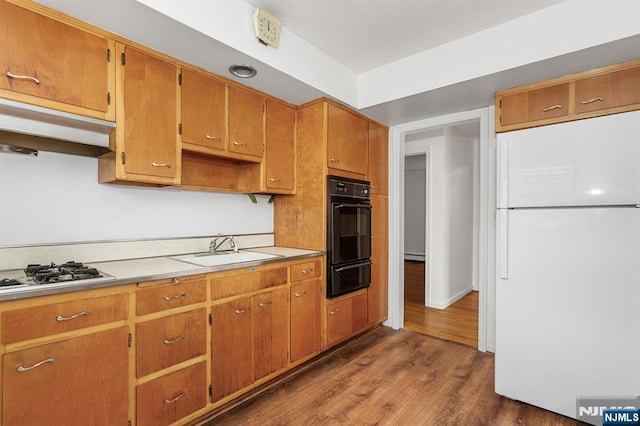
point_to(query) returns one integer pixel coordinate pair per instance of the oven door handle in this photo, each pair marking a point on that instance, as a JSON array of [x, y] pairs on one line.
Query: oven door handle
[[357, 265], [357, 206]]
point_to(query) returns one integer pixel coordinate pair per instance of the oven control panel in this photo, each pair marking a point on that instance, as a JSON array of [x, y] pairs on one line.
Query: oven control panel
[[349, 188]]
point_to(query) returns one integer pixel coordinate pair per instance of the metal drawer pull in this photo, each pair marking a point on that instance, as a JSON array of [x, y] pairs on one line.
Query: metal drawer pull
[[23, 77], [592, 100], [177, 339], [334, 160], [300, 294], [306, 271], [236, 143], [263, 304], [374, 236], [22, 369], [81, 314], [167, 165], [213, 138], [335, 312], [552, 108], [274, 180], [171, 401], [242, 311], [177, 296]]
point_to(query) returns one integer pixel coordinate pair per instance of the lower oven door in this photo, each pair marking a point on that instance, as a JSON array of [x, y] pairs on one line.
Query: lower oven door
[[347, 278]]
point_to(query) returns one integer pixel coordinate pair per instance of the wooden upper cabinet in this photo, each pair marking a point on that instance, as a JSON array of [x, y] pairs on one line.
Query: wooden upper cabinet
[[378, 158], [611, 90], [53, 61], [347, 139], [203, 110], [150, 140], [246, 122], [537, 104], [280, 173]]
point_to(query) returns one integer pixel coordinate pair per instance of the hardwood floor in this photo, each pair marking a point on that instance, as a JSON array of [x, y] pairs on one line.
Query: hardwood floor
[[458, 323], [389, 377]]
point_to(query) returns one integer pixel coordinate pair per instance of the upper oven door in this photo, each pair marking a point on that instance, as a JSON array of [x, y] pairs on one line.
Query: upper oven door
[[349, 231]]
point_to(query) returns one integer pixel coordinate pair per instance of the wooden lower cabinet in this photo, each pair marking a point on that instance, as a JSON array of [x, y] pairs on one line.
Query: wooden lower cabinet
[[170, 398], [346, 316], [79, 381], [306, 319], [378, 290], [249, 340]]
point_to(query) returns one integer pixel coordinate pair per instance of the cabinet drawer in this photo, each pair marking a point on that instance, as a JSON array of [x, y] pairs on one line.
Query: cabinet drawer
[[166, 341], [156, 299], [38, 321], [246, 281], [169, 398], [305, 271]]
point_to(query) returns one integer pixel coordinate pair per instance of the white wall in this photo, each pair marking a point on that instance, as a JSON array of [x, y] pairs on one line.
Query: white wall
[[415, 207], [55, 198]]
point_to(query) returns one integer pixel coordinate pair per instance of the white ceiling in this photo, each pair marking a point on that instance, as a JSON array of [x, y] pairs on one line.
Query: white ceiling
[[366, 34], [394, 60]]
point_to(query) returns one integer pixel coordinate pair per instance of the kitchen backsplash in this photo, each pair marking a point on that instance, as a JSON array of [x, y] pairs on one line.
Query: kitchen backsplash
[[102, 251]]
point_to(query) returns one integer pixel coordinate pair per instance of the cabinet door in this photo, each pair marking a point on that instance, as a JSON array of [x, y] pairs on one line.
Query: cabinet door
[[51, 60], [150, 110], [270, 332], [306, 319], [377, 291], [231, 348], [246, 122], [168, 399], [80, 381], [203, 109], [347, 139], [338, 321], [280, 162], [378, 158], [167, 341], [616, 89], [538, 104]]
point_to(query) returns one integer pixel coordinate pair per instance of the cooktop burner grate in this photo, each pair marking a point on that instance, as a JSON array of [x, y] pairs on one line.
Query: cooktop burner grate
[[70, 271]]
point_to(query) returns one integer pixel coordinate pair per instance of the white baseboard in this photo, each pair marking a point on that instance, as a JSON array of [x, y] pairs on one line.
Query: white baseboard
[[443, 304], [417, 257]]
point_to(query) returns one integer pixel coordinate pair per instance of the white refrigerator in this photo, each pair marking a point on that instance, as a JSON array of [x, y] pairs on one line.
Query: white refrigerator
[[568, 262]]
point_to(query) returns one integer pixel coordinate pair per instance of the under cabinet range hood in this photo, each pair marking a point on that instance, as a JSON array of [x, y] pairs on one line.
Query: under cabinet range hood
[[26, 129]]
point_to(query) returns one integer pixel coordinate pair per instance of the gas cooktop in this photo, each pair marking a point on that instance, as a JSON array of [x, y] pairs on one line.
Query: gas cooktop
[[37, 274]]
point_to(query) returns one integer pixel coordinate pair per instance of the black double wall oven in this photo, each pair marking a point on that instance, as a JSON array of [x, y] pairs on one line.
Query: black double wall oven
[[348, 235]]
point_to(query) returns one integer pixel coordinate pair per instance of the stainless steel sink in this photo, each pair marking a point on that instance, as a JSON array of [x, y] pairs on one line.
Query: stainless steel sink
[[223, 258]]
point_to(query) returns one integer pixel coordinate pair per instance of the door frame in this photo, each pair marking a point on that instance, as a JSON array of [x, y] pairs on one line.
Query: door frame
[[396, 217]]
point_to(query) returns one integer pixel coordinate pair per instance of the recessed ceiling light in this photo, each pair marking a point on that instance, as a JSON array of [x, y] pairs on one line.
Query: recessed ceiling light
[[242, 71]]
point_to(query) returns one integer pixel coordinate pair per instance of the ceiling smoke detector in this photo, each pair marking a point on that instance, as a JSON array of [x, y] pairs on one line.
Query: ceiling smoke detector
[[243, 71]]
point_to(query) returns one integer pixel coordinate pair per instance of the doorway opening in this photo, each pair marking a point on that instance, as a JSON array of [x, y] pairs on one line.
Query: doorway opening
[[457, 256]]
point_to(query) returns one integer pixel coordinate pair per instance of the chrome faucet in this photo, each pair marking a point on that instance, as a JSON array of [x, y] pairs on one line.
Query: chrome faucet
[[215, 245]]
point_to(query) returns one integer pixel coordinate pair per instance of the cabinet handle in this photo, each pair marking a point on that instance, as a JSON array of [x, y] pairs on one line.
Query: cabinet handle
[[167, 165], [236, 143], [300, 294], [334, 160], [22, 77], [335, 312], [81, 314], [171, 401], [374, 236], [242, 311], [552, 108], [176, 280], [274, 180], [213, 138], [22, 369], [306, 271], [375, 186], [177, 296], [264, 304], [177, 339], [592, 100]]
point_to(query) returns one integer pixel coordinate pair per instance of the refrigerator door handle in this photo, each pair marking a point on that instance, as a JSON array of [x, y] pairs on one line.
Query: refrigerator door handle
[[503, 171], [503, 244]]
